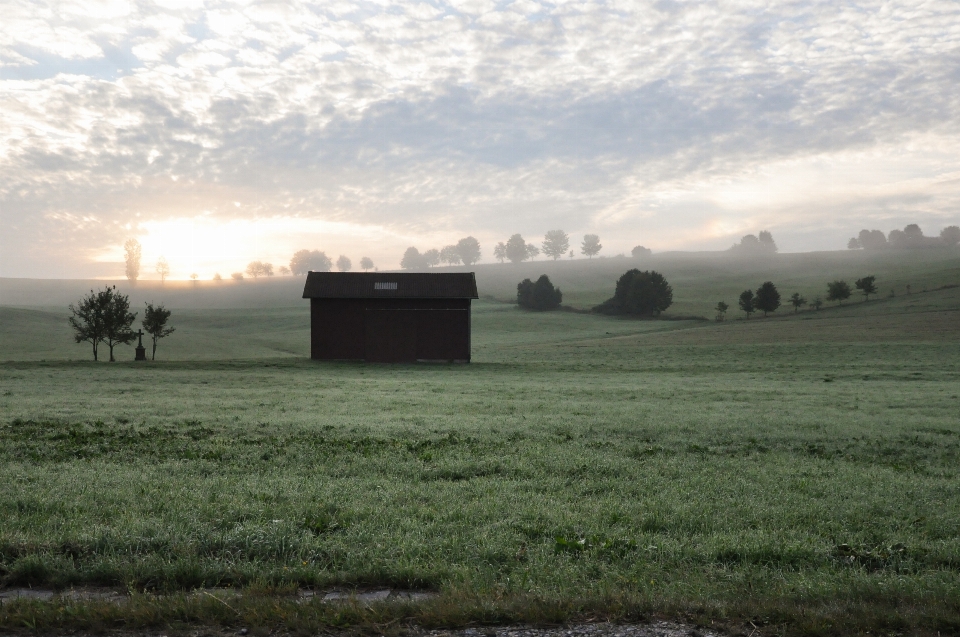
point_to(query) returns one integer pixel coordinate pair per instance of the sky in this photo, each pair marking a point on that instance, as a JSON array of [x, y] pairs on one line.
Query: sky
[[217, 133]]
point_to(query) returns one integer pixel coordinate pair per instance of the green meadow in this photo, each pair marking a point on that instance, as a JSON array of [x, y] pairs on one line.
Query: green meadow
[[798, 474]]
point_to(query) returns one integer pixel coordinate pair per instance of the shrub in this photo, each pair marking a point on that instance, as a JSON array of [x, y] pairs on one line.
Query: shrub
[[541, 295], [639, 292]]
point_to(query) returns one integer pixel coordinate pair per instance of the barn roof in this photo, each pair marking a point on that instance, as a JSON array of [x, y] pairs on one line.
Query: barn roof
[[392, 285]]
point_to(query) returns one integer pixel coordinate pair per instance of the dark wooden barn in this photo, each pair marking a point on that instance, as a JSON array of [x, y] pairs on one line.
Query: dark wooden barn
[[390, 318]]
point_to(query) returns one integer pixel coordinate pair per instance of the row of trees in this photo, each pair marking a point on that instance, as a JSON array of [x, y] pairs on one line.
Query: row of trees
[[104, 317], [465, 251], [766, 298], [753, 245], [555, 244], [910, 237]]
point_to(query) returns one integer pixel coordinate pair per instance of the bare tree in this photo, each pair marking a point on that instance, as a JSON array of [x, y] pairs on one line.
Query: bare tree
[[163, 269], [132, 254]]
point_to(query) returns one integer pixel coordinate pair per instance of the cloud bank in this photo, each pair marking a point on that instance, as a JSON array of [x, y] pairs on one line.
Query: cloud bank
[[370, 125]]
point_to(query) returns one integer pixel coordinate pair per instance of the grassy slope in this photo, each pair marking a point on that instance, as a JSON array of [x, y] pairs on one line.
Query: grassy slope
[[799, 472]]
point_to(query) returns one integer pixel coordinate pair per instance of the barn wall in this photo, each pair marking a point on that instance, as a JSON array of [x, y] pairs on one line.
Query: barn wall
[[390, 330]]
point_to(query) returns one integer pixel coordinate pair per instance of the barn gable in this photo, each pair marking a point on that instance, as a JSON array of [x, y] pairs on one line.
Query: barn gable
[[390, 317]]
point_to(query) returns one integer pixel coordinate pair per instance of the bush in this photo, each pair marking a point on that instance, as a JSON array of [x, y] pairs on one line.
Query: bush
[[538, 296], [639, 292]]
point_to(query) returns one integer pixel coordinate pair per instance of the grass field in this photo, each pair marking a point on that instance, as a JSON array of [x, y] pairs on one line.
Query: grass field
[[797, 474]]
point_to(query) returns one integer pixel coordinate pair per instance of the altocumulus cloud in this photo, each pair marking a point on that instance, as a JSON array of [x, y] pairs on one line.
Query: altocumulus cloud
[[675, 124]]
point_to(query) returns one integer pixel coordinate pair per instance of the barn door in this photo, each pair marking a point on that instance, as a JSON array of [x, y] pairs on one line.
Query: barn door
[[390, 336]]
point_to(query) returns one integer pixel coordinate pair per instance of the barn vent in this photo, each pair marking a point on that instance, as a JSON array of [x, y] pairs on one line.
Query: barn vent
[[385, 285]]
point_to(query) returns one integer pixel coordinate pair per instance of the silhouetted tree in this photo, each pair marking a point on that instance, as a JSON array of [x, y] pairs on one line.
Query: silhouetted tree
[[431, 257], [817, 304], [767, 298], [838, 291], [518, 250], [721, 311], [950, 235], [102, 317], [304, 261], [217, 277], [88, 318], [283, 270], [344, 263], [910, 237], [132, 253], [746, 302], [854, 244], [366, 263], [639, 292], [555, 244], [163, 269], [469, 250], [591, 245], [155, 324], [412, 259], [866, 286], [500, 252], [797, 301], [450, 255], [640, 251], [538, 296], [237, 276]]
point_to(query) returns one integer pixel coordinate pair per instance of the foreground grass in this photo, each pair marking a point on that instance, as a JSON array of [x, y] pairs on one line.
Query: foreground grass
[[591, 468]]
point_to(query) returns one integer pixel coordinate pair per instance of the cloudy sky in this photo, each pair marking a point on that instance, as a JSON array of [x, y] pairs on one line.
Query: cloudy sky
[[221, 132]]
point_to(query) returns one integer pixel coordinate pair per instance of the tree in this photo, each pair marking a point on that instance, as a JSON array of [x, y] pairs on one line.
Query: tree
[[500, 252], [237, 276], [872, 239], [854, 244], [259, 268], [910, 237], [431, 258], [817, 304], [751, 245], [344, 264], [721, 311], [115, 310], [304, 261], [767, 298], [950, 235], [469, 250], [88, 320], [538, 296], [518, 250], [163, 269], [450, 255], [640, 251], [866, 286], [838, 291], [283, 270], [532, 251], [591, 245], [571, 255], [555, 244], [746, 302], [132, 252], [217, 277], [194, 277], [155, 324], [639, 292], [797, 301], [366, 263], [412, 259]]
